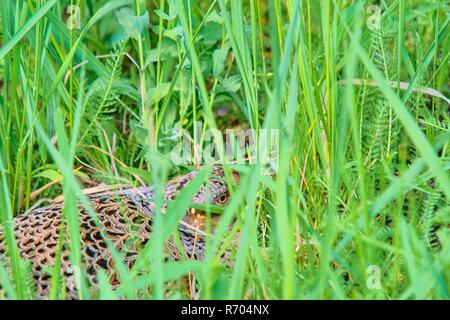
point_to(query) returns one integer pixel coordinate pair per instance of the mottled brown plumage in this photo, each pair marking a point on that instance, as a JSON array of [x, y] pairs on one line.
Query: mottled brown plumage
[[126, 219]]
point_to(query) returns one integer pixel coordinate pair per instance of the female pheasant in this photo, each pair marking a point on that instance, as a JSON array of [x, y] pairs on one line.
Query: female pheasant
[[126, 219]]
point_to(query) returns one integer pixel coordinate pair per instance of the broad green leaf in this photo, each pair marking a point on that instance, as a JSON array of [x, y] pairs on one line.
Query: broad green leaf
[[133, 25], [231, 84], [219, 57]]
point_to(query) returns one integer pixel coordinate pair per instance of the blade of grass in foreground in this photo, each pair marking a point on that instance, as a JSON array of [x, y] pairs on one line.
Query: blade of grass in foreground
[[72, 185], [164, 225], [70, 208], [234, 25], [403, 183], [238, 280], [26, 28], [107, 8], [6, 217], [196, 65], [409, 124], [6, 282], [60, 30]]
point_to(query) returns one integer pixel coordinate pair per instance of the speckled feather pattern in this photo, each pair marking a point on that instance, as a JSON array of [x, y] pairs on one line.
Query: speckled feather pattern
[[126, 218]]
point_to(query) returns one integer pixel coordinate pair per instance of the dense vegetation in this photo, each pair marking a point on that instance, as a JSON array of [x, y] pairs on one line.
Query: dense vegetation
[[362, 187]]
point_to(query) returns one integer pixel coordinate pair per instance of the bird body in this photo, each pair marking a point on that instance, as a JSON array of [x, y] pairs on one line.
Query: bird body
[[125, 218]]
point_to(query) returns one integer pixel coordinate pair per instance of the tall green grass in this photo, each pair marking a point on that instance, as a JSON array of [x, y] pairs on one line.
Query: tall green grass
[[363, 173]]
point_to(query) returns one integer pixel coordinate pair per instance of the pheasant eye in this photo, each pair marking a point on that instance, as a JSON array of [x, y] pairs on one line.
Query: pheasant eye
[[222, 199]]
